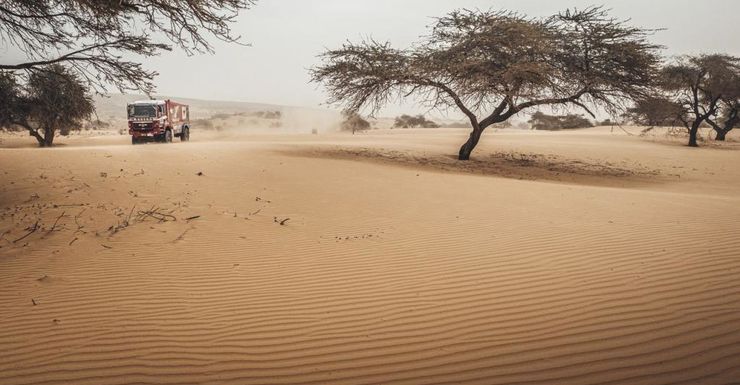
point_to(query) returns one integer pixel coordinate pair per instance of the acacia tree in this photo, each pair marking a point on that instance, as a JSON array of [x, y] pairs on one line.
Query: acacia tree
[[92, 37], [53, 101], [700, 84], [493, 65], [58, 102], [728, 120], [354, 122]]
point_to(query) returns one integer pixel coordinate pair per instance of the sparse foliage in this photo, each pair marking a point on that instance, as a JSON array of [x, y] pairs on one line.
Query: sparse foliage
[[91, 37], [656, 111], [493, 65]]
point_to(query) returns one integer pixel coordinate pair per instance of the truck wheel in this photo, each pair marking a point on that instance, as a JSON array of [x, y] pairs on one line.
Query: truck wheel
[[185, 134], [168, 136], [134, 140]]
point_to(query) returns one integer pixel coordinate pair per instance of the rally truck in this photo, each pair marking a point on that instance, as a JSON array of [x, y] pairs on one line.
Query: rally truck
[[158, 121]]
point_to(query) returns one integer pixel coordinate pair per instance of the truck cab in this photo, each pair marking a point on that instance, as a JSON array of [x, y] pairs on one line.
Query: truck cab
[[158, 121]]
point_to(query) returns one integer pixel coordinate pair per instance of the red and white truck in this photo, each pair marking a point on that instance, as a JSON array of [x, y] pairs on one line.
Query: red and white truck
[[158, 121]]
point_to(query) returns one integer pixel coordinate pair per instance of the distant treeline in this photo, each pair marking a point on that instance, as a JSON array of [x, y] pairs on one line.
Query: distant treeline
[[542, 121], [418, 121]]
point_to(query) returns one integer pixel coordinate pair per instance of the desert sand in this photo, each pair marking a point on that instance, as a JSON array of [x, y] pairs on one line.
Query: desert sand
[[553, 258]]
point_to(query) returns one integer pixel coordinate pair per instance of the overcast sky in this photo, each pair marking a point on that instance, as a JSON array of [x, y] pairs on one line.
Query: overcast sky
[[286, 36]]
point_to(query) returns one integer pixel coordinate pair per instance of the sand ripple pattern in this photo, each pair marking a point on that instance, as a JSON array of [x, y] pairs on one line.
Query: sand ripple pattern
[[454, 279]]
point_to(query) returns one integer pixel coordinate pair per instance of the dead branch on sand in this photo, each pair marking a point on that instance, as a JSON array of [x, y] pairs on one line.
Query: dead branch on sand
[[181, 237], [122, 225], [2, 236], [156, 213], [54, 226], [282, 222], [31, 230], [77, 222]]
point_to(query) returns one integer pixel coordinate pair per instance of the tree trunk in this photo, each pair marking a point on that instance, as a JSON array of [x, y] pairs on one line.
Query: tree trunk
[[48, 138], [721, 135], [693, 134], [469, 146], [36, 135]]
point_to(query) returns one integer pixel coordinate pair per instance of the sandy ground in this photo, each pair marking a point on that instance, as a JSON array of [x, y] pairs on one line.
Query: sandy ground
[[553, 258]]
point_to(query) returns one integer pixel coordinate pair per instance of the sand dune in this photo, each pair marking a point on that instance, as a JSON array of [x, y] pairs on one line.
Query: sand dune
[[556, 258]]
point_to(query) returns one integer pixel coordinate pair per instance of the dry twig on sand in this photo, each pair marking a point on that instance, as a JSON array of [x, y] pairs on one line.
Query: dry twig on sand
[[181, 237], [30, 229], [122, 225], [2, 236], [77, 222], [54, 226], [156, 213], [282, 222]]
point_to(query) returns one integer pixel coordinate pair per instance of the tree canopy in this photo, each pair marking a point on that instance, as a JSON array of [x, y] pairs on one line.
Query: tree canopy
[[493, 65], [92, 37], [53, 101]]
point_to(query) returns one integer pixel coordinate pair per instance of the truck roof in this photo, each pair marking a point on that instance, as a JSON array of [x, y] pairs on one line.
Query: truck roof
[[148, 102]]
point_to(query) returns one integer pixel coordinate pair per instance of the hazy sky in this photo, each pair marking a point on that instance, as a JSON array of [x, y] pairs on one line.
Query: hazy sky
[[286, 36]]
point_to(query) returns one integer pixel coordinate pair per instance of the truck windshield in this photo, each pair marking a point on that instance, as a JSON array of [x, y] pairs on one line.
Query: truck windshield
[[148, 111]]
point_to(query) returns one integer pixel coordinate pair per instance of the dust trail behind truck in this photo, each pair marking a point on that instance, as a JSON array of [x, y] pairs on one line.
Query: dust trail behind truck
[[158, 121]]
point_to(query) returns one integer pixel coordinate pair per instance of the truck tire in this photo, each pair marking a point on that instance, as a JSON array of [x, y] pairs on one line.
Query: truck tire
[[185, 134], [168, 136], [134, 140]]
